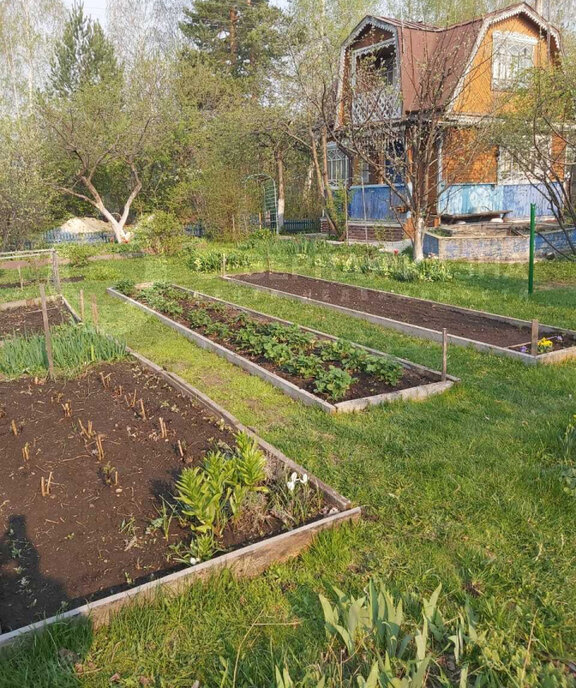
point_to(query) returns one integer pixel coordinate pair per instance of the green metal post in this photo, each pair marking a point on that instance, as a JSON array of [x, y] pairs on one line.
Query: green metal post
[[532, 243]]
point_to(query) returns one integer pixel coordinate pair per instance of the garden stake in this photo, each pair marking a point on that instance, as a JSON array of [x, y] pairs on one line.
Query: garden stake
[[20, 276], [94, 312], [99, 447], [56, 271], [444, 354], [82, 305], [534, 341], [223, 265], [47, 332], [45, 485]]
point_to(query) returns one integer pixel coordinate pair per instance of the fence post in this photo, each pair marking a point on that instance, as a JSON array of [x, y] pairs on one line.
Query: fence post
[[47, 332], [444, 354], [95, 317], [82, 304]]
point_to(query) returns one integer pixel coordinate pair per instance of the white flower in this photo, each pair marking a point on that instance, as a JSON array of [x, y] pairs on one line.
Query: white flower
[[304, 479], [291, 484], [194, 561]]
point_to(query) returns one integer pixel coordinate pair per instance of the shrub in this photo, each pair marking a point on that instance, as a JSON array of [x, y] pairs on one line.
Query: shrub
[[126, 287], [78, 254], [213, 261], [160, 233]]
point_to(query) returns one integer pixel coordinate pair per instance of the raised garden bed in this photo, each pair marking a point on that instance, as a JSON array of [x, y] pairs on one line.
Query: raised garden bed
[[28, 283], [93, 509], [308, 365], [25, 317], [488, 332]]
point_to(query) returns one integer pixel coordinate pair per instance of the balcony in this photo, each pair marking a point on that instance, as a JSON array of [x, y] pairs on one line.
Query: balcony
[[376, 105]]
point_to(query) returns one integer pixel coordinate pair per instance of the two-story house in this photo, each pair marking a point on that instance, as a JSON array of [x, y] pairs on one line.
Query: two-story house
[[385, 69]]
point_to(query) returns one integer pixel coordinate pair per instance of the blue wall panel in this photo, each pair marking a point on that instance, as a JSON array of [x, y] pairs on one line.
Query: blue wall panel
[[374, 202], [470, 198]]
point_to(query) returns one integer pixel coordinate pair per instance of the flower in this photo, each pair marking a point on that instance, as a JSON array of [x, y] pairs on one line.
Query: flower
[[304, 480], [545, 345], [291, 484], [194, 561]]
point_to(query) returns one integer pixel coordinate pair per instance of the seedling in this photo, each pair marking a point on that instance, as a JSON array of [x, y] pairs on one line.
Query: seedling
[[110, 474]]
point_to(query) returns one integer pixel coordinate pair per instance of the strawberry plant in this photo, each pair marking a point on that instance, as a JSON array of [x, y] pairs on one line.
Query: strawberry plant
[[334, 383]]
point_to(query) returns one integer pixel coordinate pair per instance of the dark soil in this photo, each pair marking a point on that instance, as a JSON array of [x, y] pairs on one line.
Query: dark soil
[[365, 386], [17, 285], [26, 320], [405, 309], [91, 536]]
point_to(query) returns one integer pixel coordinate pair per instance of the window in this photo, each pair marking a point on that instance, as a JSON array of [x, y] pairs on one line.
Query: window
[[338, 166], [524, 165], [512, 58]]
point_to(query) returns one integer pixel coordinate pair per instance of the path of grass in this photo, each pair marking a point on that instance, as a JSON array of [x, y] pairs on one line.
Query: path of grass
[[462, 489]]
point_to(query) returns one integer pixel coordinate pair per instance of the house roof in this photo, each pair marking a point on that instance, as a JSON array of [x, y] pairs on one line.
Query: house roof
[[449, 50]]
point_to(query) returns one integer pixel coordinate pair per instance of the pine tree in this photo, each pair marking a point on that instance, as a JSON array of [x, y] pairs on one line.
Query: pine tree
[[84, 56], [242, 38]]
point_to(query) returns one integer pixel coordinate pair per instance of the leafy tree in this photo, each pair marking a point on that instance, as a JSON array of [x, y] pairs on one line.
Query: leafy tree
[[114, 130], [84, 56], [241, 38]]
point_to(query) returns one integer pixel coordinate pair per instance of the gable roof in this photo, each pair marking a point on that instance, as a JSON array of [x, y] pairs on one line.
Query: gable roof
[[452, 47]]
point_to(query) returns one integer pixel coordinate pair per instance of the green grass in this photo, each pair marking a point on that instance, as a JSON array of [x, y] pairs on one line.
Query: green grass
[[463, 489]]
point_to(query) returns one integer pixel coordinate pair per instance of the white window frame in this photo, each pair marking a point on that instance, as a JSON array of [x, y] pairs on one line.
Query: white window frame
[[509, 173], [338, 165], [513, 54]]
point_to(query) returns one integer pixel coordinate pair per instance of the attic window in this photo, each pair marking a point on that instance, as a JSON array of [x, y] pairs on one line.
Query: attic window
[[512, 58], [338, 165]]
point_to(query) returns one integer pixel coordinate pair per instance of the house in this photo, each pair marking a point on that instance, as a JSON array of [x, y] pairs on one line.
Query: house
[[397, 74]]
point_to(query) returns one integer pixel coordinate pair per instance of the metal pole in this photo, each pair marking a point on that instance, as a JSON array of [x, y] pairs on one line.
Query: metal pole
[[532, 245]]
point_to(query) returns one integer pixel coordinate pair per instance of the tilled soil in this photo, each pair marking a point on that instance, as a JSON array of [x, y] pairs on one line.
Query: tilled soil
[[93, 534], [26, 320], [405, 309], [365, 385]]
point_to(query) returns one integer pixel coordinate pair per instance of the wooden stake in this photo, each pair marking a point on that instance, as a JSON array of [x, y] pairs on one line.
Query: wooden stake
[[142, 411], [223, 265], [56, 271], [20, 277], [82, 305], [47, 332], [534, 339], [95, 317], [444, 354]]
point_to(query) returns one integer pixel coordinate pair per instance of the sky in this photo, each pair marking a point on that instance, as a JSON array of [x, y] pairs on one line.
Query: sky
[[97, 8]]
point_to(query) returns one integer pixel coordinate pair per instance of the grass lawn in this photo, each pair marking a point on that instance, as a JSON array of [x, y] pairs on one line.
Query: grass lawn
[[463, 489]]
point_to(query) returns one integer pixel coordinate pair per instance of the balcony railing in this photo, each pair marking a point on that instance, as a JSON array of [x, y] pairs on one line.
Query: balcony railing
[[376, 105]]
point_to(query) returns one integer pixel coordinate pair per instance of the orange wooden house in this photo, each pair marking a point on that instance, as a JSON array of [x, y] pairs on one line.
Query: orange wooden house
[[482, 60]]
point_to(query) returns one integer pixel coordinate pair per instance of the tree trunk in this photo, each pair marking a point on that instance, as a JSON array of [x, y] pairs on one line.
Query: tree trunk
[[418, 240], [281, 192]]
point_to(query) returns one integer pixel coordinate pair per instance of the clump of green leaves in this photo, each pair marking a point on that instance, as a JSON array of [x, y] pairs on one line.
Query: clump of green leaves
[[212, 261], [161, 233], [334, 383], [126, 287], [211, 494]]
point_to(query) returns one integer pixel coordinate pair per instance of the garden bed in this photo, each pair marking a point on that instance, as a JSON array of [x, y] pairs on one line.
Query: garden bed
[[25, 317], [422, 318], [310, 366], [112, 446], [29, 283]]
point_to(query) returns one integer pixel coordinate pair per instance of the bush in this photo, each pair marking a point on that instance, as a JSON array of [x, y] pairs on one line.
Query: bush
[[78, 254], [126, 287], [212, 261], [160, 233]]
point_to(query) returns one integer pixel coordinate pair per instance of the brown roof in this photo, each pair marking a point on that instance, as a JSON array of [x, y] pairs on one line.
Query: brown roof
[[446, 51]]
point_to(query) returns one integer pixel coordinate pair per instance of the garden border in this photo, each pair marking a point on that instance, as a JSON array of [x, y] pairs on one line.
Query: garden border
[[248, 561], [424, 332], [289, 388], [23, 303]]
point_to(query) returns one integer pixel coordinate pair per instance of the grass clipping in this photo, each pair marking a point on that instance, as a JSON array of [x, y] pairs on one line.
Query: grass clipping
[[73, 348]]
